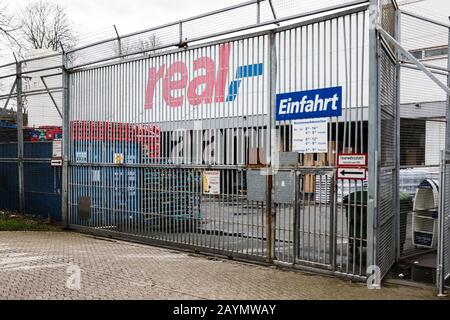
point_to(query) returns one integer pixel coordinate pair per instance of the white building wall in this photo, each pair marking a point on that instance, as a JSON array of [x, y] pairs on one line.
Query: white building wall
[[435, 141], [41, 110]]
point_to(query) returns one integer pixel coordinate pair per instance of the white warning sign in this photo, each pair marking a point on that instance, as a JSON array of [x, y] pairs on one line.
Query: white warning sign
[[211, 182], [352, 160], [310, 136], [57, 149]]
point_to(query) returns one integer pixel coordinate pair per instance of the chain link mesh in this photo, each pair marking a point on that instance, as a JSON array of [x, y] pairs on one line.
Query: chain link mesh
[[171, 35]]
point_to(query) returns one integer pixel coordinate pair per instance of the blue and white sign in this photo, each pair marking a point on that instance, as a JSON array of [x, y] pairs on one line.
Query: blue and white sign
[[320, 103]]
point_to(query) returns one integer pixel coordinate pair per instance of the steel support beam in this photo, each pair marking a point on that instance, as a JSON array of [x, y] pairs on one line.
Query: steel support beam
[[51, 96], [271, 138], [373, 144], [397, 142], [444, 216], [66, 141], [10, 94], [20, 147], [387, 37]]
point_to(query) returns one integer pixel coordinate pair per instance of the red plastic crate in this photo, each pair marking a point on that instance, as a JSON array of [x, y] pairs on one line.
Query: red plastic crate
[[147, 135]]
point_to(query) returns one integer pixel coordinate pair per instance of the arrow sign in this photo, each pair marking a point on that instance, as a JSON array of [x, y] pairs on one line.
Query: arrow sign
[[56, 162], [355, 173], [352, 174]]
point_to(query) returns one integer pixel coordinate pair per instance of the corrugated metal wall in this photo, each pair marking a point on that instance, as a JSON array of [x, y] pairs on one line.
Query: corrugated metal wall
[[9, 180], [42, 181]]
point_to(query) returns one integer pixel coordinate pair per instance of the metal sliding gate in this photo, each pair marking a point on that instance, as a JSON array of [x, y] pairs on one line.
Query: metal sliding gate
[[158, 147], [182, 148], [325, 225], [384, 125], [185, 138], [443, 259], [443, 262], [234, 146]]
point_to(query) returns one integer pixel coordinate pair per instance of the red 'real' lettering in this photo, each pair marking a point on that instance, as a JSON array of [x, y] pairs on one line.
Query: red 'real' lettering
[[170, 84], [202, 89], [206, 80], [222, 73], [154, 76]]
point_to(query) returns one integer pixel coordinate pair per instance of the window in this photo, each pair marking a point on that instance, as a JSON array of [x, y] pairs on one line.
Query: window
[[418, 54], [430, 53], [437, 52]]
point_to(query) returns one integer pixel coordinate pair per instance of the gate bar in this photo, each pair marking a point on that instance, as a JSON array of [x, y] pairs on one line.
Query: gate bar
[[398, 32], [10, 94], [51, 96], [443, 215], [363, 4], [440, 273], [272, 140], [419, 64], [20, 137], [66, 140], [414, 15], [410, 65], [204, 15], [429, 66], [373, 139]]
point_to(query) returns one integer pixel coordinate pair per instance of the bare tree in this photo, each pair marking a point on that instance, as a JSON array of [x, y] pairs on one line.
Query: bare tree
[[142, 45], [7, 27], [45, 25]]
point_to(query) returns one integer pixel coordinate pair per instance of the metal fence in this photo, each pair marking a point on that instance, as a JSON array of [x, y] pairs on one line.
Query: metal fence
[[424, 126], [143, 146], [9, 195], [30, 97], [42, 182], [219, 24], [170, 134]]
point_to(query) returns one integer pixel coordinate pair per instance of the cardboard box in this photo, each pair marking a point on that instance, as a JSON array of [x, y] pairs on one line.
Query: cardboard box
[[257, 157]]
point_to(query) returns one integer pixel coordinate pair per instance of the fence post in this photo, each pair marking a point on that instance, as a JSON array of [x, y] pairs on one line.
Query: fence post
[[66, 141], [441, 226], [180, 32], [373, 134], [272, 145], [258, 12], [444, 216], [20, 148], [397, 131], [447, 143], [119, 42]]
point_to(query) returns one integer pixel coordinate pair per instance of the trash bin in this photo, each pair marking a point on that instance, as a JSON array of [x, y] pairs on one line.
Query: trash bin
[[425, 216], [356, 208]]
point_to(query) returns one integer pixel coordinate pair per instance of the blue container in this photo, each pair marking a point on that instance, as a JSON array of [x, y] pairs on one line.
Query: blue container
[[42, 182], [9, 186], [8, 150], [113, 191]]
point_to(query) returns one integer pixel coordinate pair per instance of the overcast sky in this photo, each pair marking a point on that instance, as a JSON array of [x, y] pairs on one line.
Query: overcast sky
[[91, 18]]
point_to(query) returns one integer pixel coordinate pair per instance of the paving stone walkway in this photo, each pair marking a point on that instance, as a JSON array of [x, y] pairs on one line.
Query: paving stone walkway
[[45, 265]]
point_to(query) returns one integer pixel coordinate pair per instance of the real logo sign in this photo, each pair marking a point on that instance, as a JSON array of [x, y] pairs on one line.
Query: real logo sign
[[320, 103], [204, 82]]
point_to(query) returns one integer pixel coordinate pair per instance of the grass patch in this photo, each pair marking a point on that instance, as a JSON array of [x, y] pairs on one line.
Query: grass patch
[[16, 222]]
